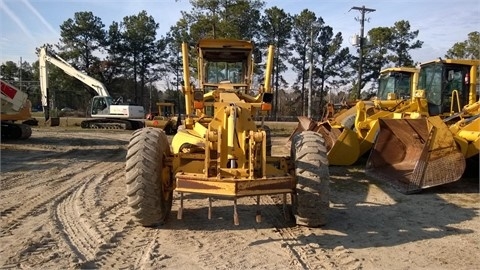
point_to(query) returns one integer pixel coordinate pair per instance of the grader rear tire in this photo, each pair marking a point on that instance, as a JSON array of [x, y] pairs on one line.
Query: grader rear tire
[[149, 199], [311, 203]]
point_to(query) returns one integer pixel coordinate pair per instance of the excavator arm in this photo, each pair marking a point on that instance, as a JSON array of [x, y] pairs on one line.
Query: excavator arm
[[56, 60]]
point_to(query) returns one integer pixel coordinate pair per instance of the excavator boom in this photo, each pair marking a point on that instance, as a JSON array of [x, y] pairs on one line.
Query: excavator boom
[[103, 109]]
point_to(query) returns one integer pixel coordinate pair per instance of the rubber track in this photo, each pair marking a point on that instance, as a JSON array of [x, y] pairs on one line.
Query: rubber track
[[311, 169]]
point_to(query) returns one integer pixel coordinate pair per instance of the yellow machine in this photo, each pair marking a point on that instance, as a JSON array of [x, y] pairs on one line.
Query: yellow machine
[[166, 118], [15, 106], [414, 151], [221, 151], [351, 134]]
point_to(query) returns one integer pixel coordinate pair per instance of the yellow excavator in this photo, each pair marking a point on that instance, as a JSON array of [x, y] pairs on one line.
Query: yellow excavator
[[415, 151], [351, 134]]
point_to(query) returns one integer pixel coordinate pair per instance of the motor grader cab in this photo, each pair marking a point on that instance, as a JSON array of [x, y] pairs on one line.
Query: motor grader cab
[[167, 119], [222, 152], [413, 151], [351, 134]]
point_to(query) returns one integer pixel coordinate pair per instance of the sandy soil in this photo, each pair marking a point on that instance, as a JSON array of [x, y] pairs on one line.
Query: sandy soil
[[63, 205]]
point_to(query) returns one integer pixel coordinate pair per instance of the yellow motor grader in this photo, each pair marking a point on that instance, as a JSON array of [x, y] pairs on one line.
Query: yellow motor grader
[[166, 118], [350, 134], [414, 151], [221, 151]]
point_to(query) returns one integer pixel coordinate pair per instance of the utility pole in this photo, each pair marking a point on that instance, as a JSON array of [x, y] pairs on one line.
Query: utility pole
[[363, 10]]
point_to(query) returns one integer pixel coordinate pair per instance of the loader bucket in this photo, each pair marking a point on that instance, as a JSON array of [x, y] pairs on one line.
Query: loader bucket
[[304, 123], [413, 154], [342, 145]]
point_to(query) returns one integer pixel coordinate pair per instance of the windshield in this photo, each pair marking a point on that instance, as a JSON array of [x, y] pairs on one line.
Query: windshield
[[217, 72], [109, 100], [430, 80], [394, 82]]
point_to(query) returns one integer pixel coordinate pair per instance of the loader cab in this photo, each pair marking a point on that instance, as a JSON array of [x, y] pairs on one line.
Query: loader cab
[[446, 87], [397, 82]]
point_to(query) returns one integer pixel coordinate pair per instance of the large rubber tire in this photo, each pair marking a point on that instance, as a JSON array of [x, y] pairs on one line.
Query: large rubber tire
[[311, 202], [149, 199]]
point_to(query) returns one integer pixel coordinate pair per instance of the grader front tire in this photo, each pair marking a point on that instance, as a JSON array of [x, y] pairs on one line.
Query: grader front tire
[[149, 200], [311, 202]]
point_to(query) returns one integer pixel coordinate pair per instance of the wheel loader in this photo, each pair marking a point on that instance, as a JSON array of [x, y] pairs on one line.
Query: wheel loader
[[221, 151], [414, 151], [350, 135]]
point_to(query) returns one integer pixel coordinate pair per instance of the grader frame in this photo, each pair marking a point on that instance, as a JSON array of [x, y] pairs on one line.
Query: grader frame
[[221, 151]]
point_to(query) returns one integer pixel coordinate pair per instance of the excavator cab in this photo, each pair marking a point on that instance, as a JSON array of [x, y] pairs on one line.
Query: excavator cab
[[417, 153], [101, 106]]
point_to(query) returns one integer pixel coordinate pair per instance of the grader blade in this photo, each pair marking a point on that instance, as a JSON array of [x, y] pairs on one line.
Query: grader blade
[[414, 154]]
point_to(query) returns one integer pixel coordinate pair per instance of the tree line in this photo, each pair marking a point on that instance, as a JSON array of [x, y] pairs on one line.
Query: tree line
[[131, 58]]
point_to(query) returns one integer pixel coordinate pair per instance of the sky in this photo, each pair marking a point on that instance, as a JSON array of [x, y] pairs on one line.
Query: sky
[[28, 24]]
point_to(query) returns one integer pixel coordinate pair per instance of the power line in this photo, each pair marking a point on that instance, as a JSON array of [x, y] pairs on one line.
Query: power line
[[363, 10]]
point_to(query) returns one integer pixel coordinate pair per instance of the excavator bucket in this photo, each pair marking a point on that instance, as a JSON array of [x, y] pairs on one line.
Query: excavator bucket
[[414, 154]]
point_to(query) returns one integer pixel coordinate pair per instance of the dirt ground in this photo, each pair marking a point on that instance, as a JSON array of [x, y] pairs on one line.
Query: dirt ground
[[63, 206]]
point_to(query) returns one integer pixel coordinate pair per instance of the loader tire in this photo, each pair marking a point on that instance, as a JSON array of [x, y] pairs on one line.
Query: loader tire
[[311, 202], [149, 196]]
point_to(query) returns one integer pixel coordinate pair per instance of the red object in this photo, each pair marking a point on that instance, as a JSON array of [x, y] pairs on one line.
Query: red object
[[8, 91]]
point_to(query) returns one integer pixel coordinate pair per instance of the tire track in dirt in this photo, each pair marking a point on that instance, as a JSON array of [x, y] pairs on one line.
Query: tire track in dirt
[[302, 242], [102, 238], [195, 242], [67, 173], [123, 245], [14, 215], [86, 222], [42, 190]]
